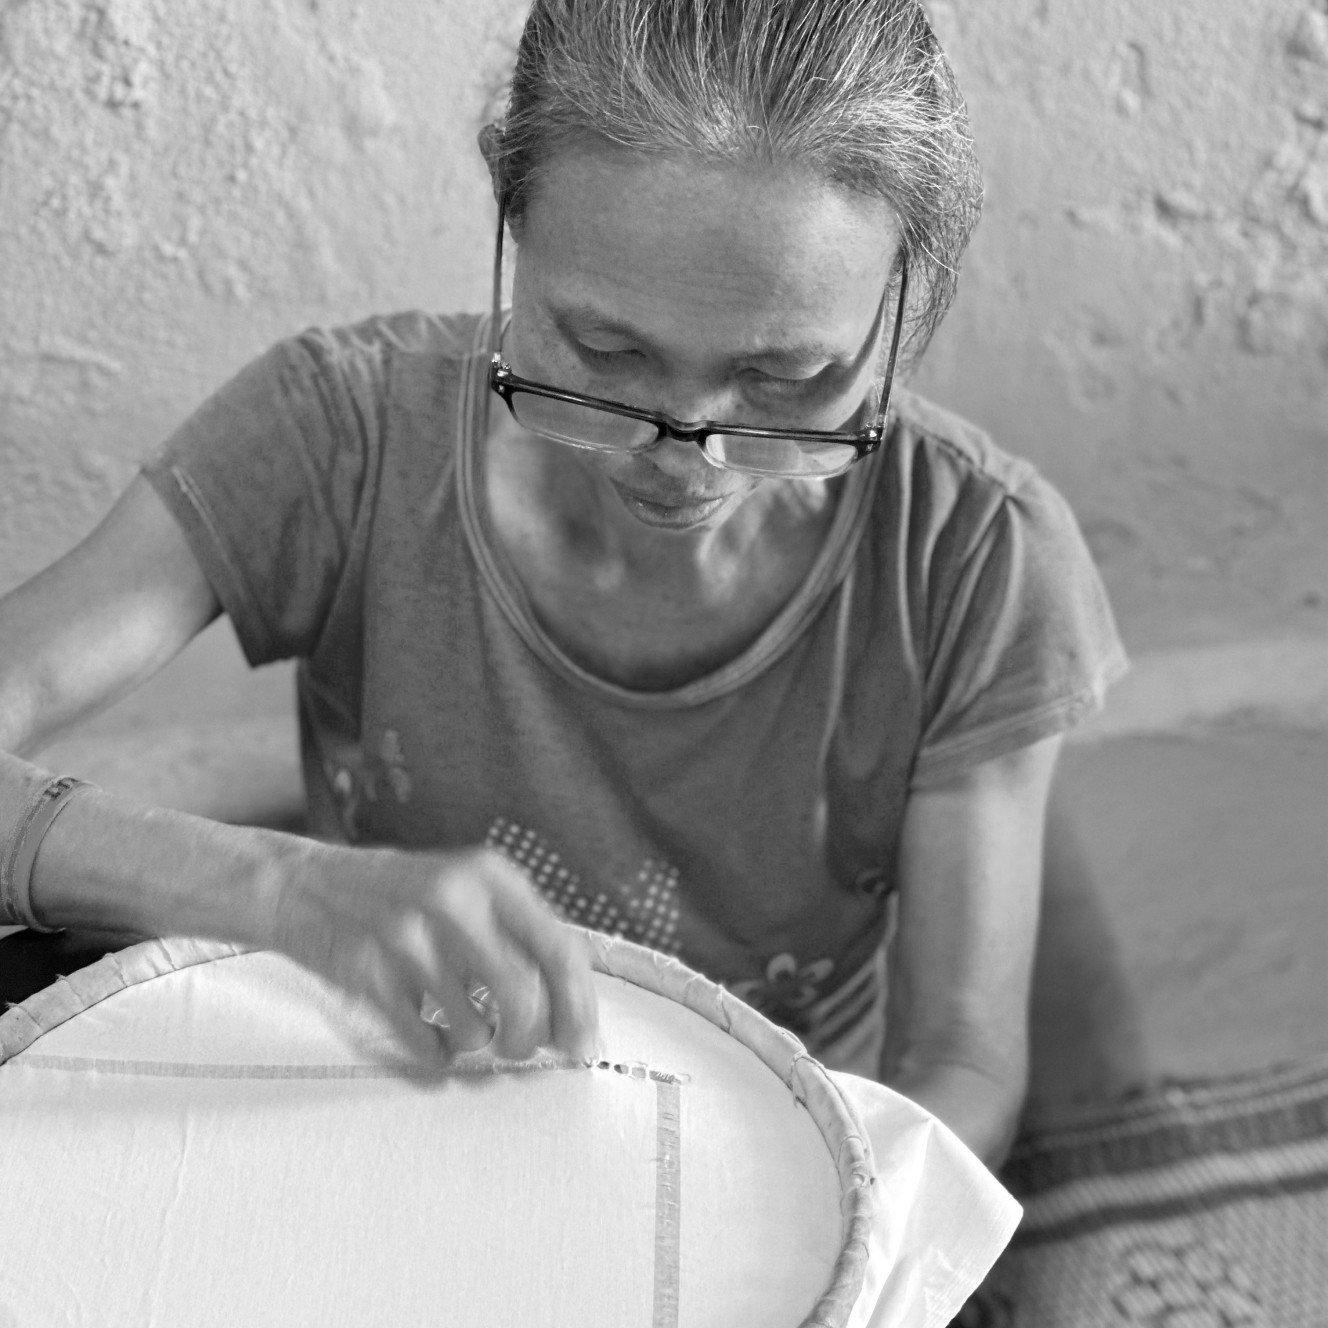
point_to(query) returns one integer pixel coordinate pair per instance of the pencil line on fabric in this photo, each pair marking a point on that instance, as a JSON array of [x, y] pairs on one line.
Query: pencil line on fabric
[[668, 1201]]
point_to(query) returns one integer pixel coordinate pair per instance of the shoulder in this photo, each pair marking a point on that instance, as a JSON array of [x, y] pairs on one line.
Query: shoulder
[[409, 341], [312, 416], [390, 382], [945, 474], [936, 441], [948, 502]]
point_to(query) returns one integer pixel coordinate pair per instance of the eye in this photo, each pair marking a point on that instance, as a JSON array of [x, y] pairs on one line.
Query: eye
[[777, 385], [597, 355]]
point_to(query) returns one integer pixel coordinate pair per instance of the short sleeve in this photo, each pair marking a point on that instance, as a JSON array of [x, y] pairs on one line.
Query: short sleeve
[[1022, 643], [266, 479]]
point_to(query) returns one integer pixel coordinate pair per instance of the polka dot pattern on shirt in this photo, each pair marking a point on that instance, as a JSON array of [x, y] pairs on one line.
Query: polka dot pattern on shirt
[[645, 912]]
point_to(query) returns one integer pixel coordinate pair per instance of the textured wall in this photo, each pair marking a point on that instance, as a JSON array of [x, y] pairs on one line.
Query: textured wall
[[181, 184], [1144, 313], [1145, 310]]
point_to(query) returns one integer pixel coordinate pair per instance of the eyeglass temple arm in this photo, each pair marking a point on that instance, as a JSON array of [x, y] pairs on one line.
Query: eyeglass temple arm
[[497, 274], [894, 341], [497, 297]]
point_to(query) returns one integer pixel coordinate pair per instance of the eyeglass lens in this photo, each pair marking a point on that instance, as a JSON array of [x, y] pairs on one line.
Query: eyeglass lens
[[808, 458], [585, 426], [582, 426]]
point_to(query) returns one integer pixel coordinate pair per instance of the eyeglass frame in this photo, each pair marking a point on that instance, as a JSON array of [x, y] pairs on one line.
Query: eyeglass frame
[[506, 383]]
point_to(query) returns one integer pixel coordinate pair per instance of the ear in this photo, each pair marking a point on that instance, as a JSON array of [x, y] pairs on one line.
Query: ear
[[491, 149]]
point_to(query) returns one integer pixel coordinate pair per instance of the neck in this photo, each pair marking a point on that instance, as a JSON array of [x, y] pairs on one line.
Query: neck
[[581, 509]]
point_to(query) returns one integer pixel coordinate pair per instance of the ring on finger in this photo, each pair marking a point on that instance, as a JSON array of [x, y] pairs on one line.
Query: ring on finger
[[480, 997]]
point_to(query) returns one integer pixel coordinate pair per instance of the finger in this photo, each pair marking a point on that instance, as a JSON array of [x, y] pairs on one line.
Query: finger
[[425, 963], [467, 1029], [562, 959], [573, 999], [479, 943], [418, 1047], [522, 1007], [515, 1002]]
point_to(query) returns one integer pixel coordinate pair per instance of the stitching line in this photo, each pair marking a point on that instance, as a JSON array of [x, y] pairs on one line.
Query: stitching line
[[668, 1201]]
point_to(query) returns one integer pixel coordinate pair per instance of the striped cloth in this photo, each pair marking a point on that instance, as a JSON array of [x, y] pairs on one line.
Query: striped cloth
[[845, 1031], [1192, 1206]]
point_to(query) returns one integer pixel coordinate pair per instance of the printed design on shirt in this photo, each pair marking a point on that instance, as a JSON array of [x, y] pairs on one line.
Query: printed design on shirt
[[793, 996], [645, 912], [787, 990], [359, 779], [393, 761]]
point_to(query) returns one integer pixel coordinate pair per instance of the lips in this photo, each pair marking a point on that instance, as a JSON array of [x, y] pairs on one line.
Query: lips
[[681, 499], [662, 490], [670, 510]]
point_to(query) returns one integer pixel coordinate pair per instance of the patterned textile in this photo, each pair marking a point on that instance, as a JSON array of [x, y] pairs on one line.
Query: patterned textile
[[1194, 1206]]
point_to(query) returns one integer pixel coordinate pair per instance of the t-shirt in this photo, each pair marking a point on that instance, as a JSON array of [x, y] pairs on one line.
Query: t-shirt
[[745, 822]]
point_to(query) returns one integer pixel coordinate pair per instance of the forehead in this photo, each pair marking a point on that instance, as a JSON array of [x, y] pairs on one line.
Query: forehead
[[754, 257]]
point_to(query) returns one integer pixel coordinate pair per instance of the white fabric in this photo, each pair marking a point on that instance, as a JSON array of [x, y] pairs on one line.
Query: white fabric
[[947, 1216], [217, 1146]]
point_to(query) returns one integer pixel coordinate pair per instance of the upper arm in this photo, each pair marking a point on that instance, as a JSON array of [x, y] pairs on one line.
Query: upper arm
[[970, 871], [100, 620]]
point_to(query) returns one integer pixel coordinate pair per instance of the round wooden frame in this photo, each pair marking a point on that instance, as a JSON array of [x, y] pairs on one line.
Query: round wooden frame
[[24, 1024]]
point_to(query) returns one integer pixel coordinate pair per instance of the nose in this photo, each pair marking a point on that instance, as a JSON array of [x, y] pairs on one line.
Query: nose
[[698, 404], [679, 458], [682, 456]]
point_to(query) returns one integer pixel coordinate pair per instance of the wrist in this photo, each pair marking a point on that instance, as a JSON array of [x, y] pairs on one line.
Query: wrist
[[271, 871], [980, 1105], [110, 865], [18, 856]]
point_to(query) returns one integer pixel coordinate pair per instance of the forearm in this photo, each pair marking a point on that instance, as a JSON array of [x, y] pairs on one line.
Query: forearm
[[108, 865], [970, 871], [981, 1105]]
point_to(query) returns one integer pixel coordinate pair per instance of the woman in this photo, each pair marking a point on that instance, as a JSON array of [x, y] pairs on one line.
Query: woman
[[648, 603]]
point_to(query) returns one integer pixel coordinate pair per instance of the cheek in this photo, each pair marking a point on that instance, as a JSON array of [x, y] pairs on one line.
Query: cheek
[[606, 465], [531, 354]]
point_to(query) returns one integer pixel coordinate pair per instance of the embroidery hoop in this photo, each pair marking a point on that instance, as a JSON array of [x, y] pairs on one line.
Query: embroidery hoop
[[161, 974]]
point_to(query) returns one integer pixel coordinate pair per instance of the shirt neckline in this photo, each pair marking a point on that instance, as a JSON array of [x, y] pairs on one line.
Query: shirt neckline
[[500, 577]]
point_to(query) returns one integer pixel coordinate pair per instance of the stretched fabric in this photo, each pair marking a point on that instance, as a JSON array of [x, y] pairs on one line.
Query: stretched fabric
[[196, 1135]]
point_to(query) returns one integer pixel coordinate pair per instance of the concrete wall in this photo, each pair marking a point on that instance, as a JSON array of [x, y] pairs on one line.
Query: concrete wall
[[181, 184], [1145, 312]]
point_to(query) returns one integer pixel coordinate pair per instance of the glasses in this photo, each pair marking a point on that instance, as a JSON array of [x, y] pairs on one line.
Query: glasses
[[609, 426]]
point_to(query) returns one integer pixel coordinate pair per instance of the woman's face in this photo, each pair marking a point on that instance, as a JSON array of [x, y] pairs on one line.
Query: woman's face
[[747, 296]]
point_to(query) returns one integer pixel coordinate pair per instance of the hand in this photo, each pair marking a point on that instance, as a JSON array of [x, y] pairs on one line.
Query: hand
[[399, 927]]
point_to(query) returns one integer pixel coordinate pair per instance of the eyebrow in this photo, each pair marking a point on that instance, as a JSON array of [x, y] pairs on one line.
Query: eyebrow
[[798, 354]]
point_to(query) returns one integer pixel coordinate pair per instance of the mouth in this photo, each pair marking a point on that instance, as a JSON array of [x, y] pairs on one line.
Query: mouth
[[669, 511]]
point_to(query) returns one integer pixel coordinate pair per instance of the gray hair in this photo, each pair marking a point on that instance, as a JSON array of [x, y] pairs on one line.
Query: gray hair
[[857, 90]]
